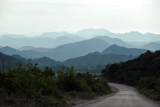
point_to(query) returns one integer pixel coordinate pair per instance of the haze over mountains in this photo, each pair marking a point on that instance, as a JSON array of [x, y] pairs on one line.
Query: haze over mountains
[[54, 39], [86, 49], [71, 50], [76, 49], [153, 46], [26, 53], [90, 62], [61, 46], [45, 41]]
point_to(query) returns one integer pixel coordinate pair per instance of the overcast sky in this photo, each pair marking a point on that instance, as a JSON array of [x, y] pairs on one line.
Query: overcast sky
[[119, 16]]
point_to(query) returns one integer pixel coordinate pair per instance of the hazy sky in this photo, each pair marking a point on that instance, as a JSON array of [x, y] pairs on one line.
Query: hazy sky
[[36, 16]]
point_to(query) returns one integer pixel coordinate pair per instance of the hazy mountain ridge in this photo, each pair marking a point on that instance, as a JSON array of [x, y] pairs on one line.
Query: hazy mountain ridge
[[96, 59], [90, 61], [76, 49], [37, 41], [26, 48], [26, 54], [152, 46], [115, 49], [53, 34], [54, 39], [138, 37], [45, 61], [91, 33], [133, 36], [77, 46], [112, 41]]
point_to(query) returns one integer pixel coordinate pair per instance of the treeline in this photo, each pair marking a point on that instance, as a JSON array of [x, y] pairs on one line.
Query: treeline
[[30, 86], [143, 72]]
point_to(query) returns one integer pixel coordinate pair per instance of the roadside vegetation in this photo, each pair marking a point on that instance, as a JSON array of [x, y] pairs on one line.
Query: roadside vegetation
[[30, 86], [142, 72]]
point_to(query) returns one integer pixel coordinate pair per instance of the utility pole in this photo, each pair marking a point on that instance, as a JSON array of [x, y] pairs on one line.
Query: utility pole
[[3, 64]]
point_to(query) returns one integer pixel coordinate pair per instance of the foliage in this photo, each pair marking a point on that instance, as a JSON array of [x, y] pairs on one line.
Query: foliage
[[25, 85], [143, 72]]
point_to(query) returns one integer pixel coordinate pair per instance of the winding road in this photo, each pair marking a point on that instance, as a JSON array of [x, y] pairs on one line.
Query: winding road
[[125, 97]]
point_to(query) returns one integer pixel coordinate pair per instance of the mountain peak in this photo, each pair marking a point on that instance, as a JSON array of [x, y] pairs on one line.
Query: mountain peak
[[91, 29], [115, 49], [115, 46], [88, 33], [8, 48], [54, 34], [26, 48], [134, 32]]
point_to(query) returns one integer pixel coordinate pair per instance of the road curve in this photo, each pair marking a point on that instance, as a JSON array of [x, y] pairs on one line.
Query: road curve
[[125, 97]]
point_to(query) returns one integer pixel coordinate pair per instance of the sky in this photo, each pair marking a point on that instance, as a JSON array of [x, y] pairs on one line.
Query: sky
[[118, 16]]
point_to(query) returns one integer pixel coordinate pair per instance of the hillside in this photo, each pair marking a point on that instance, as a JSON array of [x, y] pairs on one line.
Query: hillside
[[24, 60], [115, 49], [91, 61], [45, 61], [24, 48], [7, 62], [42, 62], [143, 72], [26, 53], [76, 49], [46, 40], [112, 41], [9, 51], [153, 46]]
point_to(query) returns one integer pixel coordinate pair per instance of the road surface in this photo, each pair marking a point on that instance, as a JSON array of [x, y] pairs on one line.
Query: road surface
[[125, 97]]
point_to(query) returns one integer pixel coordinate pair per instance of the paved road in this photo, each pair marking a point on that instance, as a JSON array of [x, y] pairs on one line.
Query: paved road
[[125, 97]]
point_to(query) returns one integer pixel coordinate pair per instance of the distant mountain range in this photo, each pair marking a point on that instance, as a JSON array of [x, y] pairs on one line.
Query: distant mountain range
[[91, 33], [88, 49], [112, 41], [26, 54], [153, 46], [43, 40], [89, 61], [62, 52], [55, 39], [73, 50], [53, 34], [76, 49], [133, 36], [25, 48]]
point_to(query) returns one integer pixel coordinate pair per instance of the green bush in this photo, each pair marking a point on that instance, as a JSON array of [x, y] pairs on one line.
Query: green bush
[[46, 88]]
